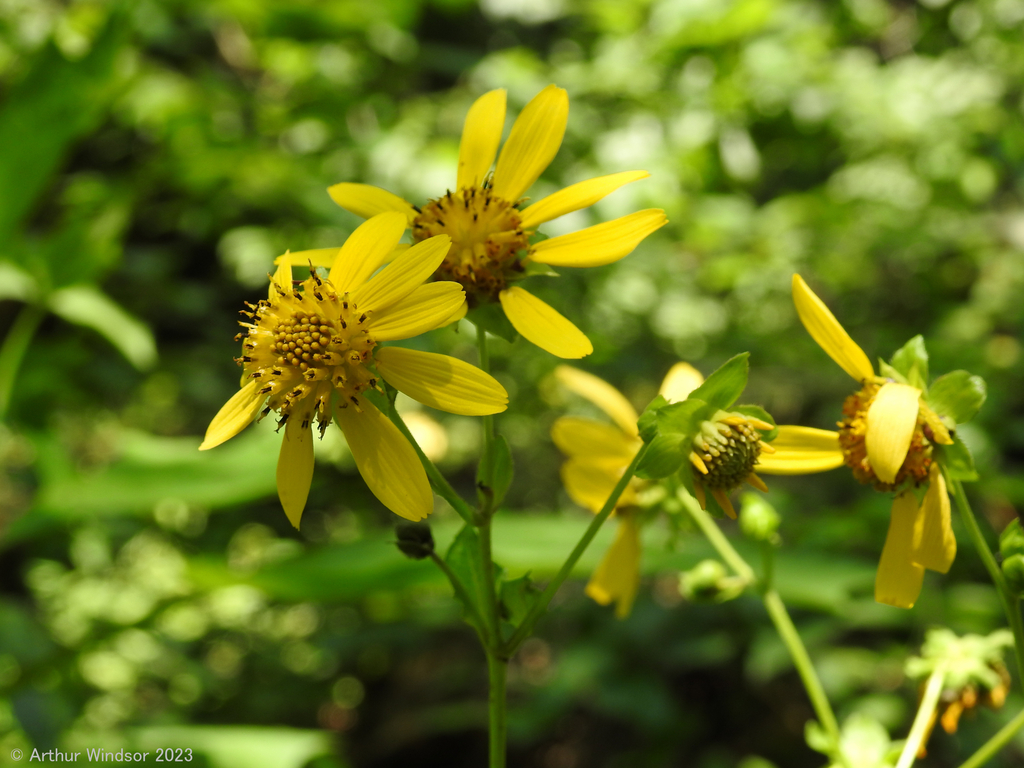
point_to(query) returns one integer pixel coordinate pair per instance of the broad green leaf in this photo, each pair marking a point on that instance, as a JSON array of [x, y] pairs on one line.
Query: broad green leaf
[[517, 597], [758, 412], [957, 460], [648, 423], [465, 560], [911, 360], [496, 470], [86, 305], [722, 387], [491, 317], [958, 395], [684, 418], [16, 283], [664, 456]]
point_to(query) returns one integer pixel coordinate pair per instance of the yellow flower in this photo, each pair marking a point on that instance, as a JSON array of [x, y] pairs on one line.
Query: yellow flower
[[886, 437], [490, 247], [312, 349]]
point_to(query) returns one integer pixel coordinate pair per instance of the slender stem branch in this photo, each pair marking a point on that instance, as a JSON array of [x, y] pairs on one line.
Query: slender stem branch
[[485, 366], [996, 743], [464, 596], [541, 604], [1011, 603], [923, 720], [487, 509], [12, 352], [497, 672]]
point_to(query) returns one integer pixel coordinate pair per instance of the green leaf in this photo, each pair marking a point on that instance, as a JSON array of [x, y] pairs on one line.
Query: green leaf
[[495, 471], [648, 423], [911, 360], [665, 454], [535, 268], [957, 460], [517, 597], [683, 418], [465, 561], [722, 387], [757, 412], [86, 305], [958, 395], [887, 371], [491, 317], [16, 284]]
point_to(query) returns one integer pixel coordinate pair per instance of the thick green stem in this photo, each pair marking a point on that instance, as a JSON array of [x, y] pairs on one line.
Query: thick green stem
[[1011, 603], [992, 746], [12, 352], [497, 671], [486, 513], [923, 719], [541, 604]]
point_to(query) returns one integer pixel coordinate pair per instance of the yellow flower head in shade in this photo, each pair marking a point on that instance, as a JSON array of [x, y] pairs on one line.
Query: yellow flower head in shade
[[490, 229], [313, 349], [889, 437]]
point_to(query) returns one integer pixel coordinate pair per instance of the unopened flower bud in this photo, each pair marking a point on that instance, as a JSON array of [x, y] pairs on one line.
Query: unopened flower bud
[[414, 540], [758, 519], [1013, 571], [708, 581], [1011, 540]]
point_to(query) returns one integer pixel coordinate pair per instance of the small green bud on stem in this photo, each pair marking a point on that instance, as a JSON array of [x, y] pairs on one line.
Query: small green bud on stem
[[415, 540]]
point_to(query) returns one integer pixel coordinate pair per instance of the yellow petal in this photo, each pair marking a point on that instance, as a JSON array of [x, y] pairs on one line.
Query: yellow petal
[[282, 279], [588, 438], [295, 467], [801, 451], [403, 275], [892, 417], [830, 335], [320, 257], [589, 482], [366, 201], [600, 393], [898, 580], [577, 196], [386, 460], [679, 382], [366, 249], [600, 244], [458, 314], [934, 542], [618, 576], [532, 143], [481, 135], [543, 325], [428, 307], [236, 414], [442, 382]]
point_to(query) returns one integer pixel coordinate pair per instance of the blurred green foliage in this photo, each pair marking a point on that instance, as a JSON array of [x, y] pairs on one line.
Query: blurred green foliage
[[155, 155]]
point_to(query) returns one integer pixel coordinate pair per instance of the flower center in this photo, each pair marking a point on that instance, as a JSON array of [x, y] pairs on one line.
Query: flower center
[[487, 236], [853, 430], [305, 344], [729, 447]]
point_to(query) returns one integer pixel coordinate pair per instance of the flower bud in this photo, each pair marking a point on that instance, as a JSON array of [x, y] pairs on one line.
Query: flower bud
[[1011, 540], [1013, 571], [415, 540], [708, 581], [758, 519]]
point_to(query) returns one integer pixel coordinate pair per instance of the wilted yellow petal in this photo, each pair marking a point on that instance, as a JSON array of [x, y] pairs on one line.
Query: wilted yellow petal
[[588, 438], [481, 135], [295, 467], [934, 542], [898, 580], [679, 382], [532, 144], [236, 414], [543, 325], [589, 482], [618, 576], [801, 451], [577, 196], [366, 201], [830, 335], [600, 244], [442, 382], [399, 278], [600, 393], [892, 417], [369, 246], [428, 307], [386, 460]]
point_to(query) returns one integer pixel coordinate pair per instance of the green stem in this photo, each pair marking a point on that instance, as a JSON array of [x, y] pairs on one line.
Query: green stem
[[464, 596], [497, 671], [12, 352], [487, 510], [541, 604], [923, 719], [1011, 603], [997, 742], [778, 614]]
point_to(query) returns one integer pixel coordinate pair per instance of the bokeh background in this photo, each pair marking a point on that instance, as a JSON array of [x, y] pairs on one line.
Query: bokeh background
[[156, 155]]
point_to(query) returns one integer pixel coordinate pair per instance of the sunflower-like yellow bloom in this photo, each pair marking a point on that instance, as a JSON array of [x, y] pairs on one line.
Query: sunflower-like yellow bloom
[[313, 349], [490, 247], [886, 437]]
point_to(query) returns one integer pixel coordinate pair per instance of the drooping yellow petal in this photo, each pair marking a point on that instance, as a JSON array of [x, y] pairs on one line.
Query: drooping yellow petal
[[588, 438], [369, 246], [679, 382], [892, 417], [898, 580], [481, 135], [543, 325], [386, 460], [577, 196], [236, 414], [282, 279], [428, 307], [618, 576], [532, 144], [934, 542], [589, 482], [600, 244], [830, 335], [600, 393], [403, 275], [801, 451], [366, 200], [295, 467], [320, 257], [442, 382], [458, 314]]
